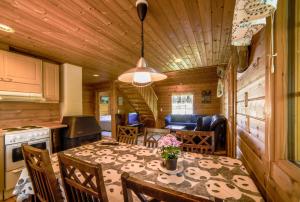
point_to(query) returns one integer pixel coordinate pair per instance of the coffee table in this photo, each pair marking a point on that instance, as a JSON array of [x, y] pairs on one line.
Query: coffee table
[[174, 128]]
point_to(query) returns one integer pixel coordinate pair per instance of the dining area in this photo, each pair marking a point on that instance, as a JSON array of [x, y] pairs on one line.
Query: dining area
[[125, 169]]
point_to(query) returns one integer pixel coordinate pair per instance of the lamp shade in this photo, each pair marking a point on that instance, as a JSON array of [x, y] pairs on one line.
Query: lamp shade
[[141, 75]]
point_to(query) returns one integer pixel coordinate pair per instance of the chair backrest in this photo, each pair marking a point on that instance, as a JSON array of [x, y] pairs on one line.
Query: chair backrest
[[127, 134], [152, 135], [197, 141], [40, 170], [82, 181], [156, 192]]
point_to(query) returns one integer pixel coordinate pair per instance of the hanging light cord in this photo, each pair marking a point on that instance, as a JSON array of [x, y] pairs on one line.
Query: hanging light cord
[[142, 39]]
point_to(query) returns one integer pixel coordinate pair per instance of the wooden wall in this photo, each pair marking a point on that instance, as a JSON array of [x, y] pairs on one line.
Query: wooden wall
[[250, 110], [261, 114], [14, 114], [88, 100], [188, 81]]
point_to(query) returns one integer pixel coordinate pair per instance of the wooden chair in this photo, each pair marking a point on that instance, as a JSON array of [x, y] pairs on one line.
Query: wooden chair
[[152, 136], [44, 182], [82, 181], [127, 134], [153, 192], [197, 141]]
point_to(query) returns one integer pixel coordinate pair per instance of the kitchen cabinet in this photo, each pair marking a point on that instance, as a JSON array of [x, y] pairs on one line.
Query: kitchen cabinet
[[50, 82], [19, 73]]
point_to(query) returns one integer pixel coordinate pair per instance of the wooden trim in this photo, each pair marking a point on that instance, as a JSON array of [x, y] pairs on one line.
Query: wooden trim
[[280, 82], [252, 99], [252, 117], [283, 180], [114, 109]]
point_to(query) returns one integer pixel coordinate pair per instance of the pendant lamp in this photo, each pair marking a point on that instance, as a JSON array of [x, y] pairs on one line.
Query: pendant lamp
[[141, 75]]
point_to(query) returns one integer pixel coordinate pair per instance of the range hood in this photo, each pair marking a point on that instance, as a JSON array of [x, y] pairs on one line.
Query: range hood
[[21, 97]]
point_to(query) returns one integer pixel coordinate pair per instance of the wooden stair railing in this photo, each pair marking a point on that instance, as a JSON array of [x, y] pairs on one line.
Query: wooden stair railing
[[151, 99], [143, 100]]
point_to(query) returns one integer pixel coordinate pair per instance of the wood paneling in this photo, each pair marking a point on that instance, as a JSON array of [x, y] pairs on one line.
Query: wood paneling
[[14, 114], [189, 81], [103, 36], [228, 107], [250, 111], [88, 100]]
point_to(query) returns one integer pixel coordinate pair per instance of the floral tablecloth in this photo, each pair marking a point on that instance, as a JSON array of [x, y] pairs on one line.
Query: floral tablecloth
[[204, 175]]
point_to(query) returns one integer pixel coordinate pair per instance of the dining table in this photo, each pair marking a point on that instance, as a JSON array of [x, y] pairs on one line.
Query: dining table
[[208, 176]]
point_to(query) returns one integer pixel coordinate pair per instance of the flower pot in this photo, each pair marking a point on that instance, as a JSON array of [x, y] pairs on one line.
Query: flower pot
[[171, 164]]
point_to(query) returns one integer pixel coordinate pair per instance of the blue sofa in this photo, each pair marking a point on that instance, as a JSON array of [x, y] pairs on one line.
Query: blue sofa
[[216, 123], [189, 121]]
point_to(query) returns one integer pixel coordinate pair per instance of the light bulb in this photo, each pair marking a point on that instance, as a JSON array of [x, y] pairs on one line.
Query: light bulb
[[141, 77]]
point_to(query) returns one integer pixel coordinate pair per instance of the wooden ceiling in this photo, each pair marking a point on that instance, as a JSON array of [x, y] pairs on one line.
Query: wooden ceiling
[[103, 36]]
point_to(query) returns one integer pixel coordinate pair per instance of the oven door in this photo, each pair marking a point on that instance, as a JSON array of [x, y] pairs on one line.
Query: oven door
[[13, 153]]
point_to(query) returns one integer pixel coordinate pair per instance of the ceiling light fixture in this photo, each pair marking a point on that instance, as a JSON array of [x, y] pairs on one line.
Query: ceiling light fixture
[[141, 75], [96, 75], [178, 60], [6, 28]]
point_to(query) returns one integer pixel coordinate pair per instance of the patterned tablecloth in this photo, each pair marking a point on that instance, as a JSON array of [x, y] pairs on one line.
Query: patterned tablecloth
[[204, 175]]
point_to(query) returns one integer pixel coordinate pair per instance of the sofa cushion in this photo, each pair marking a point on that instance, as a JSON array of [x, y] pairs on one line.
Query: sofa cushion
[[199, 124], [206, 121], [194, 118], [216, 120], [181, 118]]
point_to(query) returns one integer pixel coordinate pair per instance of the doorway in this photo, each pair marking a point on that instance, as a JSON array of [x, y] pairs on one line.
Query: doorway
[[104, 113]]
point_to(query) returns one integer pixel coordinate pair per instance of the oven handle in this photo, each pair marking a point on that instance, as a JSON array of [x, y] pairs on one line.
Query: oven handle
[[39, 141], [17, 170]]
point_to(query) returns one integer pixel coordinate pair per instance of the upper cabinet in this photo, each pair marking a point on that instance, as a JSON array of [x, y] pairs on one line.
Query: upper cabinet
[[51, 82], [19, 73]]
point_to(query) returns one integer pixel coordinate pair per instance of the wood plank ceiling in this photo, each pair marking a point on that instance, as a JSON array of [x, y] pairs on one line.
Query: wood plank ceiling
[[103, 36]]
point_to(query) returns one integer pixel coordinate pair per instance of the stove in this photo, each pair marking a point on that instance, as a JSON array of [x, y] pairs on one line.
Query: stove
[[35, 136], [20, 128]]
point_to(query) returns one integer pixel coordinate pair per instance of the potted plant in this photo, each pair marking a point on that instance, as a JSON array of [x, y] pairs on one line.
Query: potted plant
[[170, 150]]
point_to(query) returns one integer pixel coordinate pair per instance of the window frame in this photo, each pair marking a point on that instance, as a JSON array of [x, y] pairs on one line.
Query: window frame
[[181, 94], [277, 112]]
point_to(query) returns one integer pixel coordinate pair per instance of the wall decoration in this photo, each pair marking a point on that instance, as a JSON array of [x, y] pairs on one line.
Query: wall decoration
[[120, 101], [206, 96], [220, 88]]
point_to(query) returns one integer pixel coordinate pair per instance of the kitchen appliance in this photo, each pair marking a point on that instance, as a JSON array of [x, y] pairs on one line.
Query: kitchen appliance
[[81, 130], [35, 136]]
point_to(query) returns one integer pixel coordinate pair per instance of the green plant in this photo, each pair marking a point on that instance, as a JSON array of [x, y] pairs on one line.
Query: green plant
[[170, 152]]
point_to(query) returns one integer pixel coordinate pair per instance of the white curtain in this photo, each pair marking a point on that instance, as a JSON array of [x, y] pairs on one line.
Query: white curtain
[[250, 17]]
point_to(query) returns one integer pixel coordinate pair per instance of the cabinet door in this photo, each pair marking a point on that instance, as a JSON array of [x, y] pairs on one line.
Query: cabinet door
[[51, 81], [22, 69]]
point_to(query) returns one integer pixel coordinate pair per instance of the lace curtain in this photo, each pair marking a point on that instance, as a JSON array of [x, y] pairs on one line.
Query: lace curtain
[[250, 17]]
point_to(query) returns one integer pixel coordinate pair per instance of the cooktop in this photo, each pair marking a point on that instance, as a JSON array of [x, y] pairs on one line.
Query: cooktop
[[21, 128]]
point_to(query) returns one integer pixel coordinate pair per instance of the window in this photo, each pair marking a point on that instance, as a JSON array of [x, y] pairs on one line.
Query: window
[[182, 104], [294, 83]]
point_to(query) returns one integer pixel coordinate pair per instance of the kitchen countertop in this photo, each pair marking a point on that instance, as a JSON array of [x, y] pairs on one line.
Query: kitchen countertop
[[52, 125]]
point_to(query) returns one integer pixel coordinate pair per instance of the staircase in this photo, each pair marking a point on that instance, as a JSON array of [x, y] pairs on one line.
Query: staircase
[[143, 100]]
